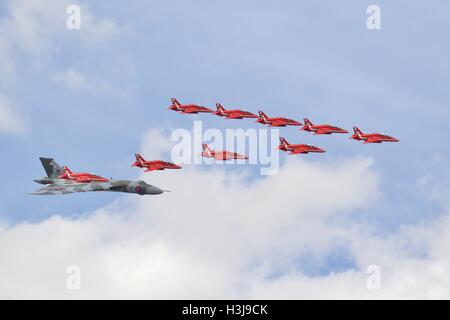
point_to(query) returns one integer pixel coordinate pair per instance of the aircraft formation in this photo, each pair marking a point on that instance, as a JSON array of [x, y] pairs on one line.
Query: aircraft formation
[[61, 180], [262, 118]]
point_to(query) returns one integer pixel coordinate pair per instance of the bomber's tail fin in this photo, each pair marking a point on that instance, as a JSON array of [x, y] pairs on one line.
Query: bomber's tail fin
[[52, 169]]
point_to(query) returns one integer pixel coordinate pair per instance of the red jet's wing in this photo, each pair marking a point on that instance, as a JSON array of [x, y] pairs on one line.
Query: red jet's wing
[[190, 110], [89, 179], [235, 116], [277, 123], [373, 140], [298, 151], [323, 131], [153, 167], [234, 155]]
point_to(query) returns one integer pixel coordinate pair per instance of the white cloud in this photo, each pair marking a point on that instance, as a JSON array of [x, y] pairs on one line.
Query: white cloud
[[38, 30], [435, 183], [10, 121], [39, 27], [6, 62], [219, 235], [154, 143], [78, 81], [73, 79]]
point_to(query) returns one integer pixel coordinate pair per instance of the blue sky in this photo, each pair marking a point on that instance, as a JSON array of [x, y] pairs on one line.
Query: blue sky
[[314, 59]]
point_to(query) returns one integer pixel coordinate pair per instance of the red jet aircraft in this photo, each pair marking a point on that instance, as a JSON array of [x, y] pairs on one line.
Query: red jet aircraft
[[276, 122], [321, 128], [80, 176], [371, 137], [233, 114], [297, 148], [153, 165], [188, 108], [220, 155]]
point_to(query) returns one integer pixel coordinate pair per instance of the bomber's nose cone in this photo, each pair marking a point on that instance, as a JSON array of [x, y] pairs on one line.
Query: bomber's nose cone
[[153, 190]]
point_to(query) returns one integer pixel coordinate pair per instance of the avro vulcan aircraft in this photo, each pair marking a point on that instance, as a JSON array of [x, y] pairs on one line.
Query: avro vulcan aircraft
[[371, 137], [57, 186], [188, 108], [297, 148], [233, 114], [321, 128], [153, 165], [220, 155], [276, 122]]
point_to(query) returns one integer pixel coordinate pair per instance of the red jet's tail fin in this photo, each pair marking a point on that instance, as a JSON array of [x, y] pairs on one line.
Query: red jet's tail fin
[[175, 102], [262, 115], [356, 130], [139, 158], [206, 147], [307, 122], [283, 142], [220, 108], [67, 172]]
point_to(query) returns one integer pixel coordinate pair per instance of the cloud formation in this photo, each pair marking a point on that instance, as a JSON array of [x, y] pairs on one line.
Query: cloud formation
[[33, 33], [220, 235], [40, 28], [10, 121]]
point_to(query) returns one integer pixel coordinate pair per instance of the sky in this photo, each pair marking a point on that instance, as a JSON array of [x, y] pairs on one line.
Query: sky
[[92, 97]]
